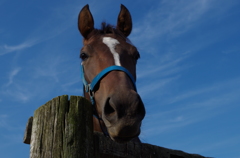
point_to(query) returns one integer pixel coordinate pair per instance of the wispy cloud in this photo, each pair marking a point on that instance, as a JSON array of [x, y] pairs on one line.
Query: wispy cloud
[[45, 71], [234, 49], [227, 88], [173, 120], [51, 73], [149, 90], [169, 110], [5, 49], [15, 88], [161, 74], [10, 131], [49, 66], [192, 107], [3, 118], [17, 92], [5, 123], [173, 18], [157, 33], [221, 143], [163, 60], [168, 19], [12, 74], [59, 20], [166, 66]]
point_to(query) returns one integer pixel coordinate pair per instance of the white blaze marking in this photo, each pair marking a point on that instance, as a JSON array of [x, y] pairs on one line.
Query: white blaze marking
[[111, 43]]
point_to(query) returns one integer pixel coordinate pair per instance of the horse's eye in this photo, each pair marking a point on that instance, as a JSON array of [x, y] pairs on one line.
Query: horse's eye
[[83, 56]]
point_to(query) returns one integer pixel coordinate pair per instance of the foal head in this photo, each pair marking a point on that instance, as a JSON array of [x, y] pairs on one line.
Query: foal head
[[115, 96]]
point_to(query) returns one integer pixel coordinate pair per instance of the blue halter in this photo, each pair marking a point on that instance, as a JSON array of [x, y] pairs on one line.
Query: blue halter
[[91, 87]]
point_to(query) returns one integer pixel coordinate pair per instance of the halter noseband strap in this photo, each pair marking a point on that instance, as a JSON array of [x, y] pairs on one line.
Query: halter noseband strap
[[90, 87]]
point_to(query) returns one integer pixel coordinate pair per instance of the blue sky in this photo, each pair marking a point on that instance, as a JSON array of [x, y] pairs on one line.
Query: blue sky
[[188, 74]]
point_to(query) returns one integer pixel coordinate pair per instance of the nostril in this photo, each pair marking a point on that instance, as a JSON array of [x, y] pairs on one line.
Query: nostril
[[139, 108], [108, 109]]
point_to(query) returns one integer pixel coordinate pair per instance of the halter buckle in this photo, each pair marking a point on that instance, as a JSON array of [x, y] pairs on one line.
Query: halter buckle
[[87, 88]]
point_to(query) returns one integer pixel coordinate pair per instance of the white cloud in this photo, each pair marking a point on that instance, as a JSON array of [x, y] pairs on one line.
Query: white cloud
[[8, 49], [168, 19], [222, 91], [151, 89], [14, 88], [17, 92], [12, 74], [166, 66], [220, 144], [4, 122], [51, 66], [166, 123], [60, 19], [234, 49], [192, 107]]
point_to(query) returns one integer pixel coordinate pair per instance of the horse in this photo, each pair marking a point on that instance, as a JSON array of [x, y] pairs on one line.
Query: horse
[[108, 61]]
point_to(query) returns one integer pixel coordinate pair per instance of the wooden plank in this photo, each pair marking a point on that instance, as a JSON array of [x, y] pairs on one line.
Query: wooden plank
[[63, 129], [28, 131], [105, 147], [79, 128]]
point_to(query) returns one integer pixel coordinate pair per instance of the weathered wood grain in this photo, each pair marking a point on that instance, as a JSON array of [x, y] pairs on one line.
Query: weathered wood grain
[[28, 131], [106, 148], [63, 128]]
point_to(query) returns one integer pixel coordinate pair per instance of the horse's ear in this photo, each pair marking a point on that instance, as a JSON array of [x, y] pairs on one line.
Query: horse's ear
[[85, 21], [124, 22]]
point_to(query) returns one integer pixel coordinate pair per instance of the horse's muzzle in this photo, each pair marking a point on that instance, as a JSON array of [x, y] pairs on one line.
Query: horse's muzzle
[[123, 115]]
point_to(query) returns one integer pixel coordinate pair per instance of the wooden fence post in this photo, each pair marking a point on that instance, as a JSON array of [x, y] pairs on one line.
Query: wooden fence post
[[62, 129]]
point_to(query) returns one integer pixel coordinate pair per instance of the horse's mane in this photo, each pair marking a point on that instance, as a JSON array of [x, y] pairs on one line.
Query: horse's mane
[[106, 29]]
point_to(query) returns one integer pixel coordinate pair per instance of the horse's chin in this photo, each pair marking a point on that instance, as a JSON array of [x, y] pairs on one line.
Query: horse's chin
[[121, 140], [124, 139]]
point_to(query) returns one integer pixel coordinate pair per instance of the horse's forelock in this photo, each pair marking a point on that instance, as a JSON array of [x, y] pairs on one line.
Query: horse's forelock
[[106, 29]]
